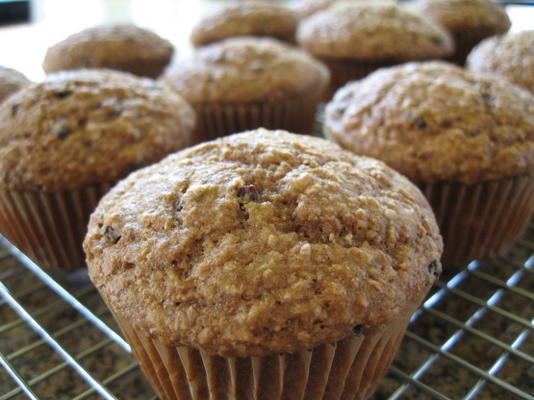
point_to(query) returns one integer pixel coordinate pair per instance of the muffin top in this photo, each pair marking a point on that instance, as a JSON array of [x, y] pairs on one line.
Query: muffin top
[[371, 31], [305, 8], [106, 46], [246, 19], [11, 81], [88, 126], [245, 69], [510, 57], [262, 241], [436, 122], [465, 15]]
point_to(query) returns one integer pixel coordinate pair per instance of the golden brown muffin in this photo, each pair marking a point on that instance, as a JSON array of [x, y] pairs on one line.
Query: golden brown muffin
[[468, 21], [355, 39], [306, 8], [253, 18], [64, 141], [122, 47], [245, 83], [10, 82], [466, 140], [258, 244], [509, 57]]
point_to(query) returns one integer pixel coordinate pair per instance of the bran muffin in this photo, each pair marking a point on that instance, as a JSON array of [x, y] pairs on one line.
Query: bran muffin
[[253, 18], [121, 47], [306, 8], [10, 82], [244, 83], [468, 21], [264, 265], [509, 57], [66, 140], [354, 39], [466, 140]]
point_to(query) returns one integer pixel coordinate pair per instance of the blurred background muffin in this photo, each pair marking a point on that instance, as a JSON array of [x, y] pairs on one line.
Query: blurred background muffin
[[274, 263], [510, 57], [254, 18], [65, 141], [122, 47], [306, 8], [468, 21], [354, 39], [245, 83], [466, 140], [10, 82]]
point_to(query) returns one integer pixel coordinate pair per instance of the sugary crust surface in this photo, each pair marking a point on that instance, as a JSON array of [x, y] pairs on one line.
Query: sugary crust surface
[[246, 19], [306, 8], [107, 46], [436, 122], [11, 81], [261, 242], [510, 56], [465, 15], [88, 126], [372, 31], [246, 70]]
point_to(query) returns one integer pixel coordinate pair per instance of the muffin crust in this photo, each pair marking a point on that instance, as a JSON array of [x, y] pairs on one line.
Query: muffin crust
[[246, 70], [253, 18], [262, 242], [509, 56], [436, 122], [372, 31], [88, 126], [11, 81], [123, 47]]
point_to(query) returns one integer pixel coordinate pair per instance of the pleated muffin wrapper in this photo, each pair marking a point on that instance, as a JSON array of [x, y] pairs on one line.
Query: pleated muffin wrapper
[[295, 114], [49, 227], [343, 71], [482, 220], [348, 369]]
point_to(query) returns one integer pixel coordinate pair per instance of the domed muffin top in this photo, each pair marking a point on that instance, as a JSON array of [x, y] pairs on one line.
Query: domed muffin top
[[509, 56], [254, 18], [88, 126], [243, 70], [261, 242], [372, 31], [436, 122]]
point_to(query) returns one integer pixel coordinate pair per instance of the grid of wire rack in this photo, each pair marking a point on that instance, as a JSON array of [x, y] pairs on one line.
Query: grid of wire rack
[[470, 339]]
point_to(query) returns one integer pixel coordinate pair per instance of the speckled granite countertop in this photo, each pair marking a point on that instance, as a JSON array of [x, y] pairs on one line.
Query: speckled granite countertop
[[104, 359]]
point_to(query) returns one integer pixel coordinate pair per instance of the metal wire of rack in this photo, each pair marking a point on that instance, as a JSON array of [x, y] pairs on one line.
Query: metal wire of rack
[[470, 339]]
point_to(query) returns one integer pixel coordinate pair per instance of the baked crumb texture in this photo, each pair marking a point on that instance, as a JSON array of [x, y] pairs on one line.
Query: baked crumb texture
[[509, 56], [88, 126], [262, 242], [435, 122], [122, 47], [254, 18], [10, 82]]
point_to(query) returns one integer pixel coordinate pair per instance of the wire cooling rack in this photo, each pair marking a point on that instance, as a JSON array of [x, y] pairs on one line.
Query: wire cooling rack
[[470, 340]]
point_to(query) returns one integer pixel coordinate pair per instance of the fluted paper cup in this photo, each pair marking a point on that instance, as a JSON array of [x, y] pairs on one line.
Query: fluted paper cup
[[49, 227], [481, 220], [348, 369]]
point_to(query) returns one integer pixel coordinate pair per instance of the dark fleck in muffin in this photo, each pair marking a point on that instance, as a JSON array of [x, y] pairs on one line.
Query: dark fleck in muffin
[[510, 57], [253, 18], [306, 8], [354, 39], [264, 265], [65, 141], [245, 83], [10, 82], [468, 21], [122, 47], [466, 140]]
